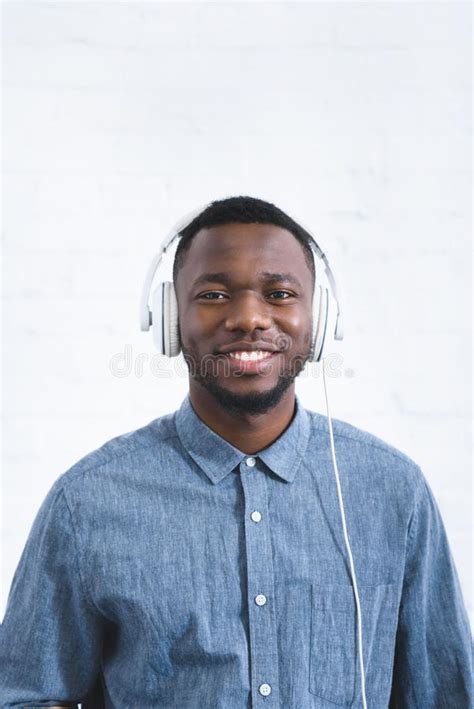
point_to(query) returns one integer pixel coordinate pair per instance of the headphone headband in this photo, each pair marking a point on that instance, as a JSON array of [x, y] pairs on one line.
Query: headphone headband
[[173, 235], [145, 315]]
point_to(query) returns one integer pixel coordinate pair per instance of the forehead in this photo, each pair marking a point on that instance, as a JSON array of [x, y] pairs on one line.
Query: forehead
[[245, 249]]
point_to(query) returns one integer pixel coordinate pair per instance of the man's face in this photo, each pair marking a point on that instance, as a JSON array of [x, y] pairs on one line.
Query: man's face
[[245, 287]]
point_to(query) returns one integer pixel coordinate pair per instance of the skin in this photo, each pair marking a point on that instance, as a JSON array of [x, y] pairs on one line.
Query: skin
[[252, 410]]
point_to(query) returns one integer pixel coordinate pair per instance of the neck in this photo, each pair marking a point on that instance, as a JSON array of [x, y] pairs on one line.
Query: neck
[[249, 433]]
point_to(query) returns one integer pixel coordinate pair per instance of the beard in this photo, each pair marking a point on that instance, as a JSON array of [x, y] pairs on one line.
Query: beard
[[253, 403]]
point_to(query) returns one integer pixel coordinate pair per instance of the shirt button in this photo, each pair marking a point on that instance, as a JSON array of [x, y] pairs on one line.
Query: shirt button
[[256, 516], [250, 462], [260, 600], [265, 689]]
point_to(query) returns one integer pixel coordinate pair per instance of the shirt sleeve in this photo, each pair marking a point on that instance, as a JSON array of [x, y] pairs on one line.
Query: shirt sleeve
[[433, 653], [51, 635]]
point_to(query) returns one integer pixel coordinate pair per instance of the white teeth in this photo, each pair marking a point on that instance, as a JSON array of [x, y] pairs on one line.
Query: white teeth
[[250, 356]]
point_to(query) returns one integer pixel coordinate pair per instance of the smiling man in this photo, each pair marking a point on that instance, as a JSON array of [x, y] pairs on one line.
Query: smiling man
[[200, 561]]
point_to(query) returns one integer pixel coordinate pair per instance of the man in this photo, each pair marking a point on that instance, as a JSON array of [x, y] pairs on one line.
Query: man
[[200, 560]]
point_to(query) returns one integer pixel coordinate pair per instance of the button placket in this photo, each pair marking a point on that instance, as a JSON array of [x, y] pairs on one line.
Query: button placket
[[260, 577]]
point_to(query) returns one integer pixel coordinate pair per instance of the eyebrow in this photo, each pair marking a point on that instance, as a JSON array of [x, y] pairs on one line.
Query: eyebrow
[[222, 277]]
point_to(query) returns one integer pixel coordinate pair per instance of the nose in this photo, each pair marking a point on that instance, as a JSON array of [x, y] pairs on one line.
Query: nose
[[248, 312]]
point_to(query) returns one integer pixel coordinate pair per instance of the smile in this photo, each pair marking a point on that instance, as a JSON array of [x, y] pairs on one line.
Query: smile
[[253, 356]]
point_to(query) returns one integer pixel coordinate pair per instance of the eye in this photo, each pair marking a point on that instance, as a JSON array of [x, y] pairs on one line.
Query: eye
[[210, 293], [285, 293]]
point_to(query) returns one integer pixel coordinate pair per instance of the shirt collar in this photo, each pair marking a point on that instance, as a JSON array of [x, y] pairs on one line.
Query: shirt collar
[[217, 457]]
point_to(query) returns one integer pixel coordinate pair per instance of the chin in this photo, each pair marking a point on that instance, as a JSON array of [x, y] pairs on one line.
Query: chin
[[250, 399]]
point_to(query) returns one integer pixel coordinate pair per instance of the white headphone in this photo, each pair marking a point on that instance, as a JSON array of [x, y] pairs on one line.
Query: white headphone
[[163, 315]]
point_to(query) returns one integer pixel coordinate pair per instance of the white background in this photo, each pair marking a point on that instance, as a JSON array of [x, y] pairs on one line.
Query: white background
[[121, 117]]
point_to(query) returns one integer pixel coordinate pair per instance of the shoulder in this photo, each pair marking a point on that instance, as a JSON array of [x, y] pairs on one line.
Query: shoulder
[[131, 447], [353, 438], [363, 450]]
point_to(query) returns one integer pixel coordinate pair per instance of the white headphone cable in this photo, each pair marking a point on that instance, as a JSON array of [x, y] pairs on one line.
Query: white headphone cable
[[348, 546]]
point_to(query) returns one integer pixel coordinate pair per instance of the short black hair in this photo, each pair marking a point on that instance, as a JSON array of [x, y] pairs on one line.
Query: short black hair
[[243, 210]]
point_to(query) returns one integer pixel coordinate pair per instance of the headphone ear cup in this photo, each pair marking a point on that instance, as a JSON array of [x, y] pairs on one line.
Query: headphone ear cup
[[165, 320], [171, 324], [320, 321], [157, 318]]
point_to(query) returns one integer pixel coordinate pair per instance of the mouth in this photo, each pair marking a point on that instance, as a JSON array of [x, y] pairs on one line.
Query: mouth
[[250, 362]]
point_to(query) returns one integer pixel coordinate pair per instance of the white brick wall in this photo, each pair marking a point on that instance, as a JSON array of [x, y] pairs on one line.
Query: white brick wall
[[121, 117]]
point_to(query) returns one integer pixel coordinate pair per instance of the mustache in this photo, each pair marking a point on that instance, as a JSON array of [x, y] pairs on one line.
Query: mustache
[[279, 343]]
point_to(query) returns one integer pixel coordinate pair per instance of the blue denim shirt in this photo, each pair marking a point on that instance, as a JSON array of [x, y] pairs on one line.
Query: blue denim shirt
[[169, 569]]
